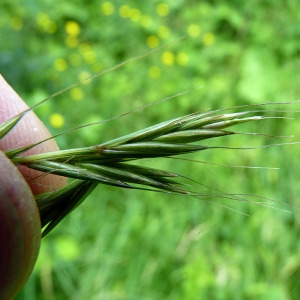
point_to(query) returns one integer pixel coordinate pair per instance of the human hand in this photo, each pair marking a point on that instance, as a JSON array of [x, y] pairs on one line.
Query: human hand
[[20, 228]]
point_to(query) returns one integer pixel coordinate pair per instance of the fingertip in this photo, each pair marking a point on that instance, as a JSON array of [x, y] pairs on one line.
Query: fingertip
[[28, 131]]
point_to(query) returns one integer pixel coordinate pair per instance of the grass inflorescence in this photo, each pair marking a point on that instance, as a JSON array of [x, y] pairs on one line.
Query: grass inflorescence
[[113, 162]]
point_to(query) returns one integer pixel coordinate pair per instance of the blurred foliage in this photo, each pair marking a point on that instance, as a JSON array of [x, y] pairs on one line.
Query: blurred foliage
[[135, 245]]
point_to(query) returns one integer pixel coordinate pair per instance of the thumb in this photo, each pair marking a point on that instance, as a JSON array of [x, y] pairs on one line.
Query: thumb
[[20, 229]]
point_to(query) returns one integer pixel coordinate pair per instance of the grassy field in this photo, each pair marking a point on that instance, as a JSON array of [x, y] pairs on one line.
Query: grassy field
[[123, 244]]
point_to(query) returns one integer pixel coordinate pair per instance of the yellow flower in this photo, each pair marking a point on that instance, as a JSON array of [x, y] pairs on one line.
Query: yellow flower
[[45, 23], [152, 41], [107, 8], [76, 94], [83, 76], [57, 120], [72, 28], [208, 39], [162, 9], [135, 14], [194, 30], [124, 11], [89, 56], [60, 64], [168, 58], [182, 58], [42, 19], [163, 32]]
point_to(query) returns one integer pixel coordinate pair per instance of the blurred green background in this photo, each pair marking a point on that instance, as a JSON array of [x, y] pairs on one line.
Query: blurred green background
[[124, 244]]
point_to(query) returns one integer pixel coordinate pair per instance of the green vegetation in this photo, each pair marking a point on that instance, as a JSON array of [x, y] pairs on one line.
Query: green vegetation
[[125, 244]]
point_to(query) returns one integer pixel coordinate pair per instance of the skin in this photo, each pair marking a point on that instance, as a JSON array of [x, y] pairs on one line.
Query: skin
[[20, 228]]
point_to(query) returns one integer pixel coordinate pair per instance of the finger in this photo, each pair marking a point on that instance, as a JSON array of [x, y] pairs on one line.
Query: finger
[[28, 131], [20, 229]]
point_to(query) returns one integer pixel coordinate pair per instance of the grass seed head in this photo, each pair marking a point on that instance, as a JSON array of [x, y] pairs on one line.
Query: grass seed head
[[110, 163]]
